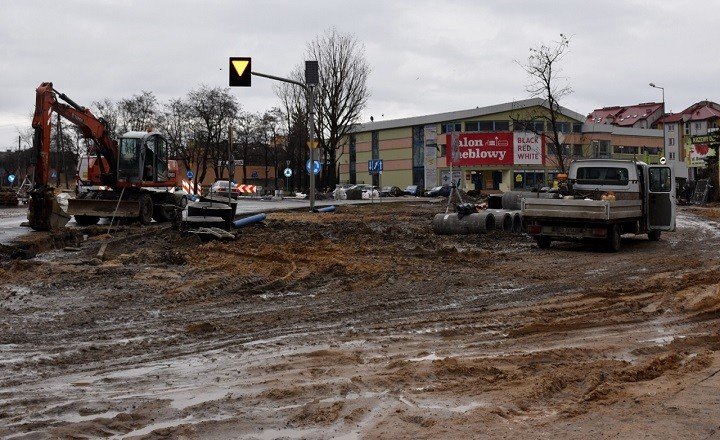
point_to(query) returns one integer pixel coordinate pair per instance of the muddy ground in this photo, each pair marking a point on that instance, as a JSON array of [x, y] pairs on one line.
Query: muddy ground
[[361, 324]]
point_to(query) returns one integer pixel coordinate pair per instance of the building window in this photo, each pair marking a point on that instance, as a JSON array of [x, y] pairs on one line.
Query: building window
[[672, 155], [353, 159], [697, 126], [534, 126], [563, 127], [687, 128], [443, 149], [577, 150], [502, 125], [671, 141], [577, 127], [619, 149], [450, 127], [418, 148], [671, 127], [375, 145], [472, 126]]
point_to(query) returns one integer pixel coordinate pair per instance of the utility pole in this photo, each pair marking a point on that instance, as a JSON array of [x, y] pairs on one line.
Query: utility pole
[[312, 79], [230, 165]]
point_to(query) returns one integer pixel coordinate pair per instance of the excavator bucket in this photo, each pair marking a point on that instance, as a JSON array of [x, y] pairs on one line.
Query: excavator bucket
[[45, 213], [103, 208]]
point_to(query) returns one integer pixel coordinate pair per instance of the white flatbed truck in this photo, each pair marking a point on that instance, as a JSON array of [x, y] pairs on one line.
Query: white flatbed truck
[[607, 198]]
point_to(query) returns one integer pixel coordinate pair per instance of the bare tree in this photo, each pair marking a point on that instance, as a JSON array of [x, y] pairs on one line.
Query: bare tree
[[342, 93], [139, 112], [109, 111], [546, 82], [214, 109], [176, 124]]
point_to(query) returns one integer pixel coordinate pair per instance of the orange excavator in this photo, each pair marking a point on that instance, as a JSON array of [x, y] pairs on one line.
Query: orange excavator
[[133, 178]]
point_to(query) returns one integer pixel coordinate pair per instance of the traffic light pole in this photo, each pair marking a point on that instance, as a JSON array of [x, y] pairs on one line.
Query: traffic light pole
[[309, 89]]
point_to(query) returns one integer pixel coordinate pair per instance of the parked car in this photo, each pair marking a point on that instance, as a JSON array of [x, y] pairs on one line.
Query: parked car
[[391, 191], [368, 191], [439, 191], [220, 188], [413, 190]]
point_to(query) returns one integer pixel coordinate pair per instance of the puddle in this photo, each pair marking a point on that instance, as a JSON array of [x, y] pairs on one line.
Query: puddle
[[430, 357]]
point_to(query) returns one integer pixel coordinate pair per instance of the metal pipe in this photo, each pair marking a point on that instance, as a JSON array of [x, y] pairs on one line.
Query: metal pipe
[[330, 208], [249, 220]]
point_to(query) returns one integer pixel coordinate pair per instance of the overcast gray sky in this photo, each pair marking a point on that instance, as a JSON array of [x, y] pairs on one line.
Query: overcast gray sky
[[426, 56]]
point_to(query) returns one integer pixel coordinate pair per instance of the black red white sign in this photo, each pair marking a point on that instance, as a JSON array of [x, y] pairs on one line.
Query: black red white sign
[[483, 149], [496, 148]]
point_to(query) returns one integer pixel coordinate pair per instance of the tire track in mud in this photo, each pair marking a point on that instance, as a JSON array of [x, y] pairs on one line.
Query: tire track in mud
[[533, 332]]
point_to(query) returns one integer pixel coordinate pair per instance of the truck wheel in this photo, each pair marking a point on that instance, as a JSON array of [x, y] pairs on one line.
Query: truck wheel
[[86, 220], [613, 243], [543, 242], [654, 235], [146, 209]]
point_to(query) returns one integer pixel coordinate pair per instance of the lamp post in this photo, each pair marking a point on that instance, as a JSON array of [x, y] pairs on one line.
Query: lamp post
[[663, 111]]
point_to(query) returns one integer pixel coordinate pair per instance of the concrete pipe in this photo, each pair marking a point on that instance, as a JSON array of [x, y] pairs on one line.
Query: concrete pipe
[[503, 219], [449, 224], [517, 222], [511, 200]]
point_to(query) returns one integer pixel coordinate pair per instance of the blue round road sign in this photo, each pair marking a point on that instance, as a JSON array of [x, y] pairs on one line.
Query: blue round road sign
[[190, 174], [287, 172], [11, 178], [316, 167]]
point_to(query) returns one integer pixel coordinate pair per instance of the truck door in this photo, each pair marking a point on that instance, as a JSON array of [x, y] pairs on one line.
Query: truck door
[[660, 185]]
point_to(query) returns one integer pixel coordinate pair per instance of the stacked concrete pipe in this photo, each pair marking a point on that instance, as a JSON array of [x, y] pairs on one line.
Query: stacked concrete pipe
[[452, 223]]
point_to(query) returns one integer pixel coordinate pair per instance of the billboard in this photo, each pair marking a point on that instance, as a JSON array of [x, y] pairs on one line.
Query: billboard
[[528, 148], [482, 149], [495, 148]]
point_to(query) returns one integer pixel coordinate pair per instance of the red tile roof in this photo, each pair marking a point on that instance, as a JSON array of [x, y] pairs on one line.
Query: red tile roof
[[623, 116]]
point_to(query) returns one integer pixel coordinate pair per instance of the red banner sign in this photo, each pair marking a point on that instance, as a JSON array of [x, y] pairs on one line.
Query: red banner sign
[[480, 149]]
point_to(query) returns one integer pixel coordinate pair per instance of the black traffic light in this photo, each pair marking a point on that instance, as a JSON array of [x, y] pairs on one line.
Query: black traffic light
[[240, 68]]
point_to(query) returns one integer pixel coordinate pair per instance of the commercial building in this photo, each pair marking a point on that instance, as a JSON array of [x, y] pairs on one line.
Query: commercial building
[[699, 119], [495, 148]]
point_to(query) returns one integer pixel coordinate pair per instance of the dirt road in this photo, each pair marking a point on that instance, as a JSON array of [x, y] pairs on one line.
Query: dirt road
[[362, 324]]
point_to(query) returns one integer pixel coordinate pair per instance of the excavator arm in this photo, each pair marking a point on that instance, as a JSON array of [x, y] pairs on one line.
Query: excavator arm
[[44, 213]]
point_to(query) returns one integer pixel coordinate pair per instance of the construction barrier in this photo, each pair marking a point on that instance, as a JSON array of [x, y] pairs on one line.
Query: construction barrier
[[187, 186], [247, 189]]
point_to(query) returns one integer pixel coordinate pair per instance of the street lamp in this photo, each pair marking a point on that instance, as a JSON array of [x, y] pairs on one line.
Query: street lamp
[[663, 111]]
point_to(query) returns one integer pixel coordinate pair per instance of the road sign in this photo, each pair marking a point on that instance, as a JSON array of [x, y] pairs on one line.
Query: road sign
[[53, 174], [316, 167], [287, 172], [190, 174], [254, 175], [313, 144], [375, 166], [11, 178], [240, 69], [663, 161]]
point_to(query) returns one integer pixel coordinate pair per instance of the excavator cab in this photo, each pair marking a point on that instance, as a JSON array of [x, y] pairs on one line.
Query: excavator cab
[[143, 158]]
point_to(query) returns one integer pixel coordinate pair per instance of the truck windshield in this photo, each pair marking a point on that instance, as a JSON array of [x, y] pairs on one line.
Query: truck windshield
[[602, 176]]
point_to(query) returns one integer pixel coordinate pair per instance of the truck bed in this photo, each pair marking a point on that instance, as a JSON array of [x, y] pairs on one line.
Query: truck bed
[[579, 209]]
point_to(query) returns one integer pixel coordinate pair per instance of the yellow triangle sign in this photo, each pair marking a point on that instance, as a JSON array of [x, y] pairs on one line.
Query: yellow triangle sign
[[240, 66]]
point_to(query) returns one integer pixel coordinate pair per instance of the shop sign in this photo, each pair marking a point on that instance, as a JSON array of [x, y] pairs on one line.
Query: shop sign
[[528, 148], [695, 154], [483, 149]]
